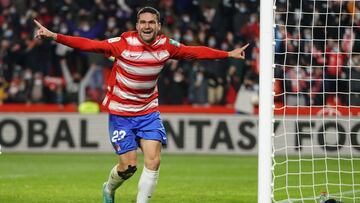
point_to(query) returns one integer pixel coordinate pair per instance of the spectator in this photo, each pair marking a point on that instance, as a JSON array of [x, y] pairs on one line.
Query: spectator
[[334, 71], [354, 77], [43, 62], [198, 94], [232, 85]]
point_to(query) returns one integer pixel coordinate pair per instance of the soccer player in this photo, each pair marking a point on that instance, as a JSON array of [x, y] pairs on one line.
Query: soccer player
[[132, 95]]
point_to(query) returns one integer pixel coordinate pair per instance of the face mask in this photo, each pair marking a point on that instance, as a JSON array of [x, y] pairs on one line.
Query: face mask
[[224, 46], [316, 17], [38, 82], [357, 16], [178, 77], [177, 36], [22, 21], [27, 75], [188, 38], [4, 26], [212, 42], [297, 14], [200, 76], [252, 19], [111, 24], [243, 9], [12, 10], [56, 21], [186, 18], [86, 27], [13, 89], [63, 29], [8, 33]]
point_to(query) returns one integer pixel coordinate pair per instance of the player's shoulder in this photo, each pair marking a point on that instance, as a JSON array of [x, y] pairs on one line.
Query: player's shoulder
[[114, 39], [123, 37], [131, 38], [129, 34], [160, 40], [167, 41]]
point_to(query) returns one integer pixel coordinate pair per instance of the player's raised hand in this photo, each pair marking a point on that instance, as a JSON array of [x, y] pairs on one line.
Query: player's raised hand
[[238, 52], [43, 32]]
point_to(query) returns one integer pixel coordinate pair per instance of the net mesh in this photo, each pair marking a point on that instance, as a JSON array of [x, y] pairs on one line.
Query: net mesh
[[316, 140]]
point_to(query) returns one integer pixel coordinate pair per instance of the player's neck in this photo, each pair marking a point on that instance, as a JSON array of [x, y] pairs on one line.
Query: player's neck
[[150, 42]]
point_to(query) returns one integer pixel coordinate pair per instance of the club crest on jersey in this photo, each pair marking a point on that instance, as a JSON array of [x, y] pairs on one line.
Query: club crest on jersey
[[175, 43], [115, 39]]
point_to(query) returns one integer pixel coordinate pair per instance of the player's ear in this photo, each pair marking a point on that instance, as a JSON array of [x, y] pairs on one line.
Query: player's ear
[[159, 28]]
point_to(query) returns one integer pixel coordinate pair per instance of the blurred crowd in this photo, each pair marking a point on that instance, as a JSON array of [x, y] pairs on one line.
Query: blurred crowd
[[42, 71], [322, 60], [317, 53]]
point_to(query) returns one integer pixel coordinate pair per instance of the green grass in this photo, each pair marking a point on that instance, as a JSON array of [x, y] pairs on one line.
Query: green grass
[[307, 177], [77, 178]]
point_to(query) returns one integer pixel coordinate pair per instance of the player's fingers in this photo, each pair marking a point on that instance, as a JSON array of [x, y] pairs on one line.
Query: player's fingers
[[242, 55], [244, 47], [38, 24], [38, 34]]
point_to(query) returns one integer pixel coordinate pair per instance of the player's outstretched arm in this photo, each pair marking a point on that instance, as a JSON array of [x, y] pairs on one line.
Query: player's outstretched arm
[[43, 32], [180, 51], [84, 44], [238, 52]]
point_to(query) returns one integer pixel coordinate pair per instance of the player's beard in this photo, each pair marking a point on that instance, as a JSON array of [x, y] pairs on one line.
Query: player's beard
[[148, 35]]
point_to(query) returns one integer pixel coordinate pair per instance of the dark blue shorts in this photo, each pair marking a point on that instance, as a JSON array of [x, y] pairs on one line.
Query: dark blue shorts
[[126, 131]]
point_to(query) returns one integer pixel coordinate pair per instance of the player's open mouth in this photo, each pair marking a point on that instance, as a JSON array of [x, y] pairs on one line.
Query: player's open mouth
[[147, 33]]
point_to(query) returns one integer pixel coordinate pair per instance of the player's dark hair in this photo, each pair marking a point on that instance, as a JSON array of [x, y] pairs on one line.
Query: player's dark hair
[[149, 9]]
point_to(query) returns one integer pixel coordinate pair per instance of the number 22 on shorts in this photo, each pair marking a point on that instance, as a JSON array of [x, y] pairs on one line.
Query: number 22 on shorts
[[118, 135]]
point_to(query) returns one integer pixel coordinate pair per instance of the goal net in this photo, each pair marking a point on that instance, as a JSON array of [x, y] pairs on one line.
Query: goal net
[[316, 126]]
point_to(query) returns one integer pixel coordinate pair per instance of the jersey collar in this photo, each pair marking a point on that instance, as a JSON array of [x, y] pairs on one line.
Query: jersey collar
[[151, 43]]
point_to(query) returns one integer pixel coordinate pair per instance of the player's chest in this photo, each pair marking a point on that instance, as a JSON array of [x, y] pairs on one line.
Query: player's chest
[[142, 53]]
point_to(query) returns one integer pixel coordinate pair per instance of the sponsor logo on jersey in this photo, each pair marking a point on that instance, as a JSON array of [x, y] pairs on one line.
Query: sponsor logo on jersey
[[175, 43], [115, 39]]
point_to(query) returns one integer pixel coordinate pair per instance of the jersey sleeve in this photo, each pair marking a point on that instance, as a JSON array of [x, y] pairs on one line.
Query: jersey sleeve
[[109, 47], [180, 51]]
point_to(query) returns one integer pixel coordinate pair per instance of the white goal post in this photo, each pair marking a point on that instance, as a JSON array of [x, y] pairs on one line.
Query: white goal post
[[309, 102], [265, 101]]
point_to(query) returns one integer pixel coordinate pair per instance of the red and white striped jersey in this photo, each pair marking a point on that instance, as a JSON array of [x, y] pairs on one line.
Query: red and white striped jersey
[[132, 89]]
